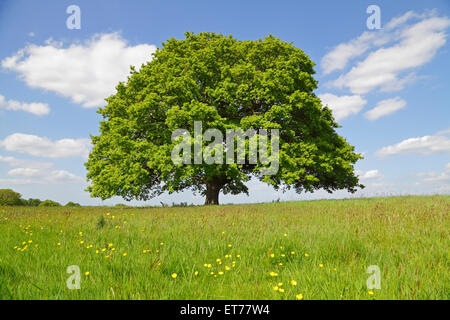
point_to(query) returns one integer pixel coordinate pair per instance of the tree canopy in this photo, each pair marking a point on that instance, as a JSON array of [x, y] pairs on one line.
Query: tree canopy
[[227, 84], [49, 203], [9, 198]]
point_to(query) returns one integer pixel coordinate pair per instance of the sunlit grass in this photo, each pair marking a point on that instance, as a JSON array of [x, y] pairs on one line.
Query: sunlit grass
[[293, 250]]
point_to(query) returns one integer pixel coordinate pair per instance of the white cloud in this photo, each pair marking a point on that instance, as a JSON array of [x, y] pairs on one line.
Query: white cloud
[[36, 172], [14, 162], [398, 21], [340, 55], [36, 108], [425, 145], [8, 182], [443, 132], [338, 58], [440, 181], [44, 147], [87, 73], [405, 48], [370, 174], [25, 172], [437, 177], [343, 106], [36, 176], [63, 176], [385, 107]]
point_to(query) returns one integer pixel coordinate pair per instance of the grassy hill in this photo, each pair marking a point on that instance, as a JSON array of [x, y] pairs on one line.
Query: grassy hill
[[319, 249]]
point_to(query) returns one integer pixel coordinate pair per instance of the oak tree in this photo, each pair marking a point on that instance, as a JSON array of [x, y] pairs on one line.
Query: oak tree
[[227, 84]]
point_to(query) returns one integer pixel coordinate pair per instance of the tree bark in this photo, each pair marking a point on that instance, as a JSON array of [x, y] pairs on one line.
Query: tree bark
[[212, 193]]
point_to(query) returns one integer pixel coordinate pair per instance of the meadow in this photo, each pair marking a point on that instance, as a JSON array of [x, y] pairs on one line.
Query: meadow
[[288, 250]]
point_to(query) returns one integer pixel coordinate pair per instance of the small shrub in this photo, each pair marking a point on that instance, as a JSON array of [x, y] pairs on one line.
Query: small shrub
[[72, 204], [49, 203], [101, 222]]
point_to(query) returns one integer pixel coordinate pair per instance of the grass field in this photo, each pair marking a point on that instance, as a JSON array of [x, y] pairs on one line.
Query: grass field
[[319, 249]]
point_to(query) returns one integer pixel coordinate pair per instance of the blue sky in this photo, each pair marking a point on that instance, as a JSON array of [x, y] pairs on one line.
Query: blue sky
[[388, 88]]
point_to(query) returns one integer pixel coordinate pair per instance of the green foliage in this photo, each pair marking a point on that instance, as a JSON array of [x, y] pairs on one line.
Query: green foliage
[[226, 84], [72, 204], [9, 198], [49, 203], [31, 202]]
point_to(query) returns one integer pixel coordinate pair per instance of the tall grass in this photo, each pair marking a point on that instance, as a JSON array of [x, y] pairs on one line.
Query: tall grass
[[324, 246]]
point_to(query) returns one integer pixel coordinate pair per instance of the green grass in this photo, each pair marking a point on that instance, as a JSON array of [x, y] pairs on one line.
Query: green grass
[[407, 237]]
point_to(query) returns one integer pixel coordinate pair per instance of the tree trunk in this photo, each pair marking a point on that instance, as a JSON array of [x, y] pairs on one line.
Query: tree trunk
[[212, 193]]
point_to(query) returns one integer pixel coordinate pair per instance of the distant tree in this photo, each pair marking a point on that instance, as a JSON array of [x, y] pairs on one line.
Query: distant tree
[[227, 84], [72, 204], [49, 203], [9, 198], [31, 202]]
